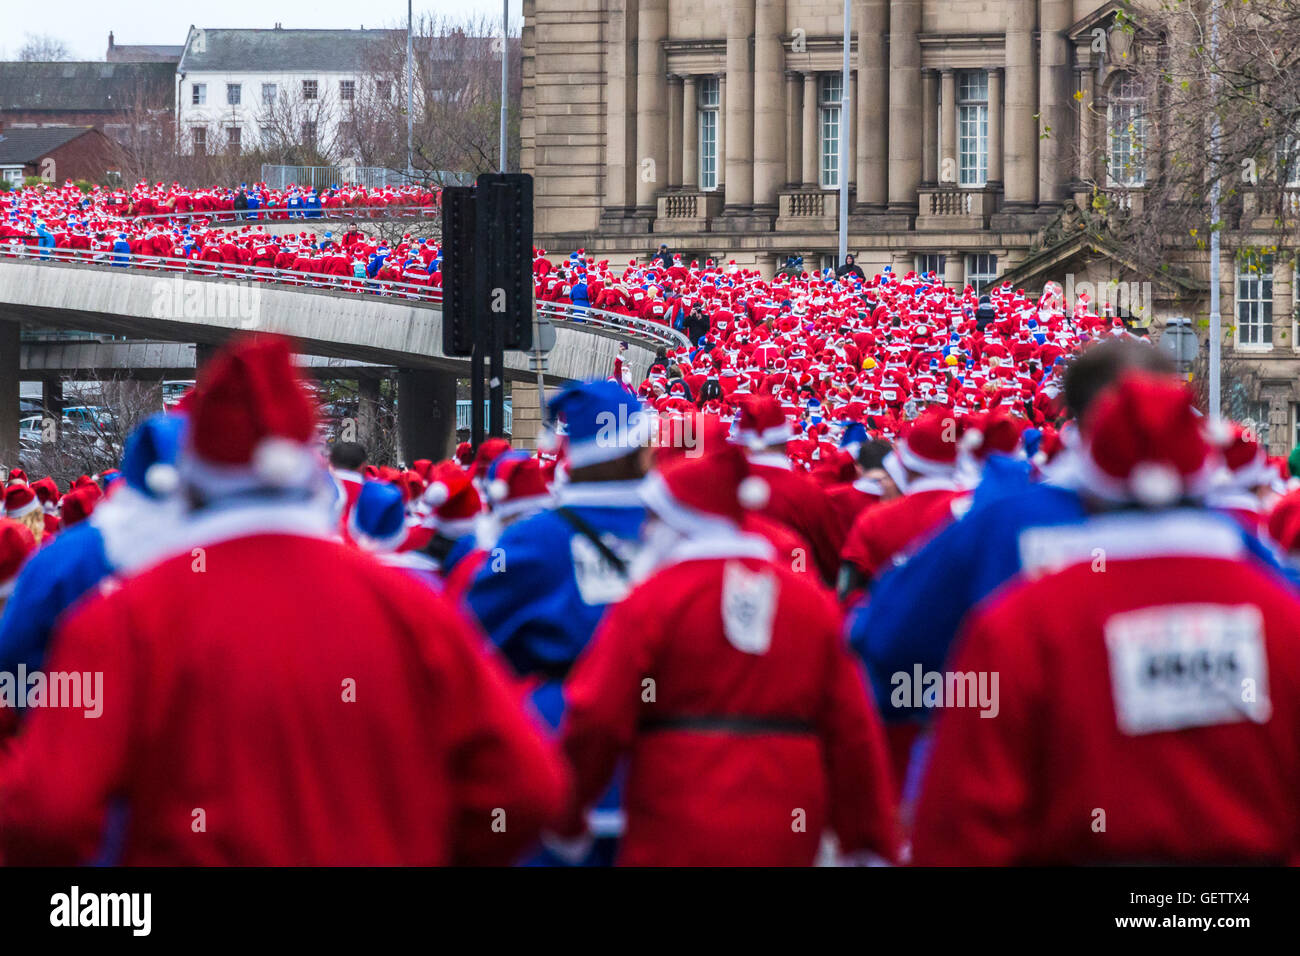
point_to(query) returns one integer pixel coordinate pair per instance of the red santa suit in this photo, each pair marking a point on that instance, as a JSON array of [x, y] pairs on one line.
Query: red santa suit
[[1152, 712], [1184, 774], [364, 725], [760, 732]]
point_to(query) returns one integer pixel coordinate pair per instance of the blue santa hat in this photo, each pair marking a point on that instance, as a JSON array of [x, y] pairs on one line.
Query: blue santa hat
[[1030, 439], [378, 519], [149, 459], [602, 420], [855, 433]]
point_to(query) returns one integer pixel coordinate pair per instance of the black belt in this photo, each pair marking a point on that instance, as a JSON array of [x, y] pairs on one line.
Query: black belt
[[728, 724]]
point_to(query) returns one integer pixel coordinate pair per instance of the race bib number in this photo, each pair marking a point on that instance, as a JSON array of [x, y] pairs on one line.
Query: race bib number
[[1187, 665], [748, 607], [599, 582]]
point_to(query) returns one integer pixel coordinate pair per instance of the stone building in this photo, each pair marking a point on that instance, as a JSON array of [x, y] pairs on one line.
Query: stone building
[[976, 129]]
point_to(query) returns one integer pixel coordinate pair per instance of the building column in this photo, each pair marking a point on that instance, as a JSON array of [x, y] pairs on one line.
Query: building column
[[872, 17], [769, 101], [10, 392], [811, 153], [1283, 306], [1053, 75], [852, 165], [426, 413], [690, 133], [675, 96], [948, 127], [995, 126], [1020, 148], [722, 132], [1086, 146], [929, 126], [620, 106], [904, 103], [793, 128], [651, 102], [954, 271], [740, 104]]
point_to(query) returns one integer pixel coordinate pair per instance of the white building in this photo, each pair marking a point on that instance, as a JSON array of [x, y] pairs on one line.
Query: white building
[[236, 89]]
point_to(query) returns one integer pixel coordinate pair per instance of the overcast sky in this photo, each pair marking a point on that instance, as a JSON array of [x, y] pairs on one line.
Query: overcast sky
[[84, 24]]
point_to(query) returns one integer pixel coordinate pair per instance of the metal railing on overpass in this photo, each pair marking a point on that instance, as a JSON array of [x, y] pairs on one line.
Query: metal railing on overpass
[[583, 318], [282, 214]]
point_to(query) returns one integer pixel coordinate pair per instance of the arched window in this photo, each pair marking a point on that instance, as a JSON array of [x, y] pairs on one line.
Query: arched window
[[1126, 121]]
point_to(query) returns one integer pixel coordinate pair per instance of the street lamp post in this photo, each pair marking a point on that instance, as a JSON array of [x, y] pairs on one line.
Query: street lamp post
[[410, 95], [505, 76], [845, 119], [1216, 320]]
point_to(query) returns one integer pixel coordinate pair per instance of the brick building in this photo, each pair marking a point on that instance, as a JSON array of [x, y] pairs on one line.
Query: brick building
[[106, 96], [55, 153]]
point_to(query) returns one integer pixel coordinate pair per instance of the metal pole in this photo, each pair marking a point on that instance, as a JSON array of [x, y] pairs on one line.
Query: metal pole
[[1216, 319], [845, 119], [410, 94], [505, 78]]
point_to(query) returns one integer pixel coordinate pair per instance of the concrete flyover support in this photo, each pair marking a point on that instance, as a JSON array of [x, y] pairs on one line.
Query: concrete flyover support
[[9, 393], [426, 413]]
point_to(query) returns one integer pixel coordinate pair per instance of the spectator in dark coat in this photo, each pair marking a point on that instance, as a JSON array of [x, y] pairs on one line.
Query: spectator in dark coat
[[850, 268]]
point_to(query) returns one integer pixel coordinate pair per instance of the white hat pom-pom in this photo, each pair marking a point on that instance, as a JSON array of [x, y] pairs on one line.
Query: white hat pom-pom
[[753, 493], [971, 439], [1219, 432], [161, 478], [1155, 485], [437, 494], [1040, 458], [498, 490], [277, 460]]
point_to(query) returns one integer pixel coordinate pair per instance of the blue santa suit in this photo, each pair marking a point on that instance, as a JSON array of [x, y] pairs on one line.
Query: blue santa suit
[[544, 604], [82, 556], [51, 582], [578, 295], [544, 593]]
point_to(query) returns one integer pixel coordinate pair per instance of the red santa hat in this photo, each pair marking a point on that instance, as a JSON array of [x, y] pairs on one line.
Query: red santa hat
[[1144, 444], [998, 432], [1245, 462], [709, 492], [519, 484], [929, 446], [76, 506], [488, 452], [252, 423], [763, 422], [453, 500], [20, 500], [47, 491], [16, 544]]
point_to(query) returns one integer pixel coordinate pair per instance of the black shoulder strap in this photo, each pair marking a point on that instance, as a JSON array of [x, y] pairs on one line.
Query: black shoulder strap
[[580, 525]]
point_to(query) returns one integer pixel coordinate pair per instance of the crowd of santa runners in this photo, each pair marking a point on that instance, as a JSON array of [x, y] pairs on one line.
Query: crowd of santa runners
[[863, 569]]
